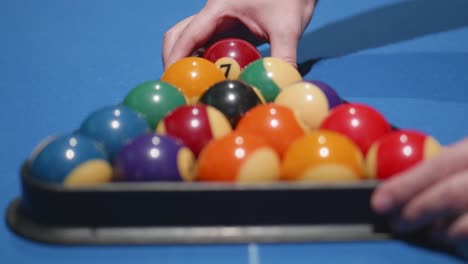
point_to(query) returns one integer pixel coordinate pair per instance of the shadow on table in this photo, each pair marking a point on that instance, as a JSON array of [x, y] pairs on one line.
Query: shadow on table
[[378, 27], [423, 240]]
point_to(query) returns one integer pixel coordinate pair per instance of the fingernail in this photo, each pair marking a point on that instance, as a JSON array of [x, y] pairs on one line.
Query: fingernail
[[383, 203]]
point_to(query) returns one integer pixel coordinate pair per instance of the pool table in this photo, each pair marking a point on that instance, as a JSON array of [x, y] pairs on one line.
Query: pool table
[[60, 60]]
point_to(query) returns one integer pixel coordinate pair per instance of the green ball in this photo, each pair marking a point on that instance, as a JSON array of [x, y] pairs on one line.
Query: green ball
[[154, 99], [269, 75]]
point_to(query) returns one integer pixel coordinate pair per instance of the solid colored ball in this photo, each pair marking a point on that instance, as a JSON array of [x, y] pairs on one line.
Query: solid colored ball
[[238, 157], [193, 76], [276, 123], [233, 98], [270, 75], [72, 160], [399, 151], [114, 126], [154, 99], [323, 156], [195, 125], [232, 55], [333, 97], [152, 157], [308, 100], [362, 123]]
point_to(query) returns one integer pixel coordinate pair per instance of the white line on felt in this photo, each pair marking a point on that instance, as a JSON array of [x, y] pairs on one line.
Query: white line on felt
[[254, 258]]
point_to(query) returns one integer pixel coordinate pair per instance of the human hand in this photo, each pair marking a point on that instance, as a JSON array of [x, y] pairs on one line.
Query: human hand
[[433, 195], [281, 23]]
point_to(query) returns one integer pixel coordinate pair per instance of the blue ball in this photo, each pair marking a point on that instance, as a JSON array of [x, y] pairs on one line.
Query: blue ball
[[114, 126], [72, 159]]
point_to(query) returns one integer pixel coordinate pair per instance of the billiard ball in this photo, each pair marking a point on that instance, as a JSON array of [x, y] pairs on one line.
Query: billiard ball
[[333, 97], [323, 156], [195, 125], [362, 123], [233, 98], [114, 126], [154, 99], [270, 75], [238, 157], [152, 157], [276, 123], [311, 103], [193, 76], [398, 151], [71, 160], [232, 55]]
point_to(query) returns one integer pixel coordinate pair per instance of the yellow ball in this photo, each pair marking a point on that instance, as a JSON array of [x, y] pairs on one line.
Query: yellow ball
[[307, 100]]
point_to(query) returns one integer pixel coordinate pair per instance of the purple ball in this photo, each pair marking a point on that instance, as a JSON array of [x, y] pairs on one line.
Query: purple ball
[[153, 157], [333, 98]]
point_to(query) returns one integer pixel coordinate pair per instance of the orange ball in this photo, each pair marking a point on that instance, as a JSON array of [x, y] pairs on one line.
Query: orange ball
[[241, 157], [324, 156], [193, 76], [276, 123]]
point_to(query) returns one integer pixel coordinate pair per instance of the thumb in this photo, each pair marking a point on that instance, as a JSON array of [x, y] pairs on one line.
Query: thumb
[[285, 47]]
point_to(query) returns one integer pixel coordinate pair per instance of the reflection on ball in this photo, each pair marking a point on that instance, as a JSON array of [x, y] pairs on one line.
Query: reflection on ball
[[324, 156], [398, 151], [195, 125], [154, 99], [72, 160], [152, 157], [114, 126], [277, 124], [362, 123], [270, 75], [193, 76], [238, 156], [309, 101], [233, 98], [232, 55]]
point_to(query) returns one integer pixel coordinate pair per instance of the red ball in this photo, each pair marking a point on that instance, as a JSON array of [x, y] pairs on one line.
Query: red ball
[[398, 151], [232, 55], [195, 125], [363, 124]]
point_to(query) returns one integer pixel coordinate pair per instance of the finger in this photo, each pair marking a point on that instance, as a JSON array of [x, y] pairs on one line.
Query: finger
[[171, 37], [398, 190], [439, 231], [459, 229], [444, 199], [308, 9], [197, 32], [243, 28], [284, 41], [458, 233], [284, 46]]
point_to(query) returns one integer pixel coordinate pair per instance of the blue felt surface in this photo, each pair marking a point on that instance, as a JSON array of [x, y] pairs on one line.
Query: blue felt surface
[[60, 60], [358, 252], [425, 91]]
